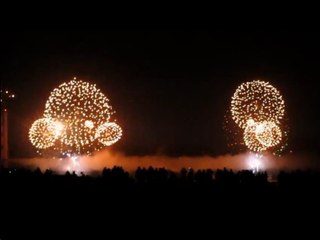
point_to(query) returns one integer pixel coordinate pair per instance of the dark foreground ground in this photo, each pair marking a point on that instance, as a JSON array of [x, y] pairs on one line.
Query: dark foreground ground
[[157, 201]]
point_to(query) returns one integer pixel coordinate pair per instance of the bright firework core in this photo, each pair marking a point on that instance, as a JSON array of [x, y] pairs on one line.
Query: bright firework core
[[76, 120], [89, 124], [255, 162], [58, 128]]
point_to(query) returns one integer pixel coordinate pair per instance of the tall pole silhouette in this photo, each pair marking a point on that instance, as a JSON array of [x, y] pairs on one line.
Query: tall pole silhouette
[[5, 97]]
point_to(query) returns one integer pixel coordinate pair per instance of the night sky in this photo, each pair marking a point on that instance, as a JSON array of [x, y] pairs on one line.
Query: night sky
[[170, 87]]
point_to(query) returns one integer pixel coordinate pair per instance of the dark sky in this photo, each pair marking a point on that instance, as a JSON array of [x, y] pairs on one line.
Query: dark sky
[[170, 88]]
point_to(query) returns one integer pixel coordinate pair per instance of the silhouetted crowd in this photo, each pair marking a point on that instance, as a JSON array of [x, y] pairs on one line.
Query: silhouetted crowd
[[156, 180], [153, 198]]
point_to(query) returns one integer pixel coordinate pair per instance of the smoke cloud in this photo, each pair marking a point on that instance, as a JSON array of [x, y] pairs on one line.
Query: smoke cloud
[[97, 162]]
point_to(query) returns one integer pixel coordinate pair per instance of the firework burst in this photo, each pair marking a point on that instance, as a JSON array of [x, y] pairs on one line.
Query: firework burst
[[74, 119], [108, 133], [257, 100], [42, 133], [258, 108]]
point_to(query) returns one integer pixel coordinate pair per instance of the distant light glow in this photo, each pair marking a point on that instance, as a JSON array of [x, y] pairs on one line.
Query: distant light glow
[[6, 96]]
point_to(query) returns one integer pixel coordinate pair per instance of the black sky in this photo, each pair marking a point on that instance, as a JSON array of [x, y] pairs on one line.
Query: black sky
[[170, 88]]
